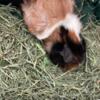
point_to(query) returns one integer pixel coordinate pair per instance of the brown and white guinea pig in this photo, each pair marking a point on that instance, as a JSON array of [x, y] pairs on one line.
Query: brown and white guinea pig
[[54, 23]]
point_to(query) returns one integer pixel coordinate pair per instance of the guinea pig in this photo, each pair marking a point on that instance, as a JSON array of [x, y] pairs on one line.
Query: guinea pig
[[55, 24]]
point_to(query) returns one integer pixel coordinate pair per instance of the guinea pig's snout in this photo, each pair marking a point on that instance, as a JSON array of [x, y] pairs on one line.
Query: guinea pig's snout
[[79, 49], [74, 52]]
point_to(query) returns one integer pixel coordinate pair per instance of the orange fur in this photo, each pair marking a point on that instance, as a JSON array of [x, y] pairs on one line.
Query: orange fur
[[42, 14], [53, 38], [70, 66], [73, 36]]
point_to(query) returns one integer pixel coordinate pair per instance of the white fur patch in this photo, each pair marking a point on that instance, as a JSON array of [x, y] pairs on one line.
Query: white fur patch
[[71, 22], [47, 32]]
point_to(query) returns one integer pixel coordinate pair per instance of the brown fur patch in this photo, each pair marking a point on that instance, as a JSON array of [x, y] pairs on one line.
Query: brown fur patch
[[53, 38], [74, 37], [70, 67]]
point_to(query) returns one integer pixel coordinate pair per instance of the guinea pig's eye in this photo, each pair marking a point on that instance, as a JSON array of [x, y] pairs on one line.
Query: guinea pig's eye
[[57, 47]]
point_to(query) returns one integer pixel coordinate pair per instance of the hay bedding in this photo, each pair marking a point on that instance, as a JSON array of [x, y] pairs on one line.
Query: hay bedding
[[27, 74]]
